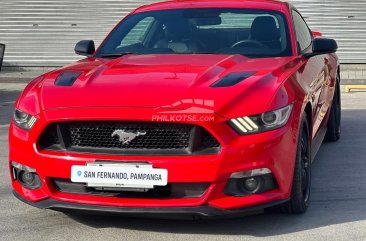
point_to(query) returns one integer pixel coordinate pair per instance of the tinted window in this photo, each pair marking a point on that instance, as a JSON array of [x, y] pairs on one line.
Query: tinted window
[[303, 34], [253, 33], [237, 20], [137, 33]]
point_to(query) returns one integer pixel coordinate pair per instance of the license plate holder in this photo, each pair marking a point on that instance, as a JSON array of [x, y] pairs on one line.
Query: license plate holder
[[119, 175]]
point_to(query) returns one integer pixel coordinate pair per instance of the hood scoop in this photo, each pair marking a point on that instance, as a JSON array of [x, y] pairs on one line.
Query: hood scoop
[[232, 79], [67, 78]]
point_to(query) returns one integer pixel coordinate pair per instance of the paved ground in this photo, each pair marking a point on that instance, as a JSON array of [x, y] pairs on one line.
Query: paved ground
[[337, 212]]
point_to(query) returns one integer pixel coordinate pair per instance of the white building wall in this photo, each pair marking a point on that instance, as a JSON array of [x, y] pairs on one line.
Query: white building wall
[[44, 32]]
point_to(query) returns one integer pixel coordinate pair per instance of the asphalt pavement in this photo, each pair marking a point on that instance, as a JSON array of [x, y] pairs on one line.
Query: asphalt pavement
[[337, 211]]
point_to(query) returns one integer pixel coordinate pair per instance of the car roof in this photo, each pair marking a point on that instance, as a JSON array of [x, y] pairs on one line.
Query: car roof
[[180, 4]]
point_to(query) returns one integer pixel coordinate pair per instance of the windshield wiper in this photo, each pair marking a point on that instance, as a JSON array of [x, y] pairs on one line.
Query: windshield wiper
[[115, 55]]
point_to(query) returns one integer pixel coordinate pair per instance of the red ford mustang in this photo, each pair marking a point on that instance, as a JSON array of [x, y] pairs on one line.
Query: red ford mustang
[[199, 108]]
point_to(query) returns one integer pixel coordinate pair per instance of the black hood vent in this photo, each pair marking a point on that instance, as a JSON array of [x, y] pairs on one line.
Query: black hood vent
[[232, 79], [67, 78]]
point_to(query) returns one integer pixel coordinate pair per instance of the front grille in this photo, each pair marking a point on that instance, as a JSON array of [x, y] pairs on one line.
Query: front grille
[[157, 136], [149, 138], [172, 190]]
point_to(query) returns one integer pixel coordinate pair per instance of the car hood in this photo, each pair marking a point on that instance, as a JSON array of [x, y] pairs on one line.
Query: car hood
[[155, 81]]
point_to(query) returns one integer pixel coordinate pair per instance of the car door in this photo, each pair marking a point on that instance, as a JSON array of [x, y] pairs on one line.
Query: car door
[[314, 75]]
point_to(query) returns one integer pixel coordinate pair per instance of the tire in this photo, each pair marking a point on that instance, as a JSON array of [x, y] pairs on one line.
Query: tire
[[334, 123], [300, 193]]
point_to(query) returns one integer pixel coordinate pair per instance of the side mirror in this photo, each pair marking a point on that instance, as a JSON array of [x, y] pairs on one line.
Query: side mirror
[[322, 46], [316, 34], [85, 48]]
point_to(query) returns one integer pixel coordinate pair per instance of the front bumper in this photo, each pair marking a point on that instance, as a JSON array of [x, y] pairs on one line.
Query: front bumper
[[274, 150], [201, 212]]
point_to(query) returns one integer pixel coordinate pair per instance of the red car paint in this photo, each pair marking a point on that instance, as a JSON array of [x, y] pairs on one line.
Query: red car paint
[[125, 88]]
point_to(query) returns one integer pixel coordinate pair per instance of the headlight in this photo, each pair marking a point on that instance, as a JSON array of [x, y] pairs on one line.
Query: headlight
[[264, 122], [24, 120]]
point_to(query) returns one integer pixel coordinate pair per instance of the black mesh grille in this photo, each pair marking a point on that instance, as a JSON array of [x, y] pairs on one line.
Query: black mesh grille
[[113, 138], [157, 136], [209, 141]]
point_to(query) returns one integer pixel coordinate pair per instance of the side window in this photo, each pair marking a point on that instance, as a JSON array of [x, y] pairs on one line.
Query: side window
[[137, 33], [303, 34]]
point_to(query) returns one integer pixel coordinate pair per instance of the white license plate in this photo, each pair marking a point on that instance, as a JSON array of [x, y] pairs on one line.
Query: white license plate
[[119, 175]]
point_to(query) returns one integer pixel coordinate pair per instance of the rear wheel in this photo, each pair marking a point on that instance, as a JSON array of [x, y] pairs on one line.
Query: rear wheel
[[300, 194], [334, 122]]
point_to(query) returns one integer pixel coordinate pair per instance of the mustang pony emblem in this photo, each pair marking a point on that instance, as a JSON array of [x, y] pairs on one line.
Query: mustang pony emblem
[[125, 136]]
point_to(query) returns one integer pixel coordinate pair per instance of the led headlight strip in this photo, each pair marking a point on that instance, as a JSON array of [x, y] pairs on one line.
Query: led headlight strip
[[245, 124], [263, 122], [24, 120]]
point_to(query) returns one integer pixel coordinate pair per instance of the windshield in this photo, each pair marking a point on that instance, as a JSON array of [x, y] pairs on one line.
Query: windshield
[[252, 33]]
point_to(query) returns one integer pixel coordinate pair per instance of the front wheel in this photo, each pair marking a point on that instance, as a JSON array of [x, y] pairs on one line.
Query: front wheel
[[300, 193]]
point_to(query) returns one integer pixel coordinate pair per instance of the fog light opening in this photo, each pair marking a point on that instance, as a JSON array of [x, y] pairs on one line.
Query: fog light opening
[[26, 176], [29, 179], [250, 182]]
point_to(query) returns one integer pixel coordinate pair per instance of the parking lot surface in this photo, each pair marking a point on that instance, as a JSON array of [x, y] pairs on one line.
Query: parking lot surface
[[337, 212]]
